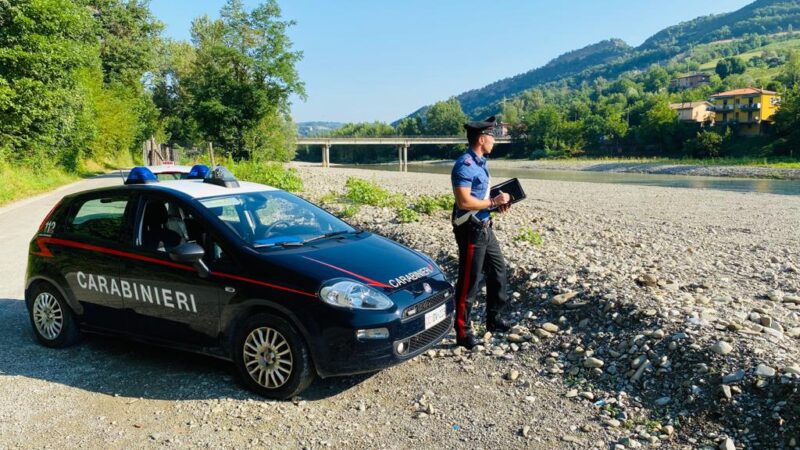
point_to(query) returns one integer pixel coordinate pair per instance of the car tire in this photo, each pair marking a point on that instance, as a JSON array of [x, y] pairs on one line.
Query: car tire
[[52, 319], [272, 358]]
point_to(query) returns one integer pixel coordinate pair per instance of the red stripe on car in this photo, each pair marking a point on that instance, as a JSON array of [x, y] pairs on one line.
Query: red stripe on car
[[43, 240], [369, 281]]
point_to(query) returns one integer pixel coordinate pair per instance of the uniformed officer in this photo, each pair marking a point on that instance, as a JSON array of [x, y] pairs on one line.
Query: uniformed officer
[[478, 249]]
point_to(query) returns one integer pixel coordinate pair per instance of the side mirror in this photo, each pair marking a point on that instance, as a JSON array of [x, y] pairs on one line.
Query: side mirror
[[191, 253]]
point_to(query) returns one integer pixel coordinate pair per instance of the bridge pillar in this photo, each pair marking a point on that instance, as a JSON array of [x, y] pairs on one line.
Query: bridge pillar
[[326, 155], [402, 157]]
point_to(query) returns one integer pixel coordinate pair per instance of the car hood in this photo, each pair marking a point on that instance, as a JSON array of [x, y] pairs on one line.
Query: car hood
[[365, 257]]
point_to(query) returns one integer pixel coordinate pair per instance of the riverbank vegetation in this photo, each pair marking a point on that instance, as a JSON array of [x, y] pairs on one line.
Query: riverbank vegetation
[[84, 83]]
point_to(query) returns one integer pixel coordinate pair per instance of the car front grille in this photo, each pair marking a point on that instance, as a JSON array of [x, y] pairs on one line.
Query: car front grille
[[430, 336], [426, 305]]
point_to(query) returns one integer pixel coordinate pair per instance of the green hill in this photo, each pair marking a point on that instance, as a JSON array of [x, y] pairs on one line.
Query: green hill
[[698, 44]]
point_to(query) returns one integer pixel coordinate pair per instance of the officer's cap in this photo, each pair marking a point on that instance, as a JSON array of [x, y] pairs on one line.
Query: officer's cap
[[483, 127]]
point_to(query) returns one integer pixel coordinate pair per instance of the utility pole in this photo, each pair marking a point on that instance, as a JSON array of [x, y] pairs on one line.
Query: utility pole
[[211, 153]]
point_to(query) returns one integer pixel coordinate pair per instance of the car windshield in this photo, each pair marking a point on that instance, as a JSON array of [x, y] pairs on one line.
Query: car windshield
[[275, 218], [169, 176]]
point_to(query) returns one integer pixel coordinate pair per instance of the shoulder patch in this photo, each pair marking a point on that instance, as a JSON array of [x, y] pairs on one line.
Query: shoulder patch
[[468, 161]]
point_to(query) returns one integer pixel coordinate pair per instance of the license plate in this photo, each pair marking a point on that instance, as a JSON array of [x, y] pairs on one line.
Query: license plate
[[435, 316]]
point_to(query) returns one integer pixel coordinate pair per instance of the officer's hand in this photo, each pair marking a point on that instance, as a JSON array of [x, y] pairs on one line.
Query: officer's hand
[[504, 208], [502, 198]]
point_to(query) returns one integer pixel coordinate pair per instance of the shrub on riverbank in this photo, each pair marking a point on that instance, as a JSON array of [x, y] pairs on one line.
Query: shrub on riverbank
[[269, 173]]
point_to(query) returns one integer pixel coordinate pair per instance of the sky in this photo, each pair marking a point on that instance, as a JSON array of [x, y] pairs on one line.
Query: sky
[[380, 60]]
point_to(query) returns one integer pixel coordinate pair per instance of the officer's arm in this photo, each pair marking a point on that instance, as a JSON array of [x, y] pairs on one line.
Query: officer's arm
[[465, 200]]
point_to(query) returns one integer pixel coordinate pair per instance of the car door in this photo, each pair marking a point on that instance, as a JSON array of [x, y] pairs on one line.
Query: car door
[[168, 301], [87, 254]]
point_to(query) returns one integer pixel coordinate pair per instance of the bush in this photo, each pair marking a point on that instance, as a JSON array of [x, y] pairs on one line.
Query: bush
[[427, 204], [350, 211], [365, 192], [273, 174], [406, 215], [530, 235]]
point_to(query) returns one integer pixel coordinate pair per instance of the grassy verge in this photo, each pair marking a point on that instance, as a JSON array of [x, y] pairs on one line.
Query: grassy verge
[[20, 182]]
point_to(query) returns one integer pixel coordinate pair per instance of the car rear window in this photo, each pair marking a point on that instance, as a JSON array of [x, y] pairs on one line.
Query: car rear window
[[100, 217]]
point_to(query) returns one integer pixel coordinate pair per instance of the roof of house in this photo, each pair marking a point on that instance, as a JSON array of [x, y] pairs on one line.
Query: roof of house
[[745, 91], [688, 105]]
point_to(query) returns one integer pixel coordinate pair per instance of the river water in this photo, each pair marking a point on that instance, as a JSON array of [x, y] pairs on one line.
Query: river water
[[770, 186]]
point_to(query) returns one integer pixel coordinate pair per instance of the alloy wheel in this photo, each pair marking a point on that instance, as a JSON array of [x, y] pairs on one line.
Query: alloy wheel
[[268, 357], [47, 315]]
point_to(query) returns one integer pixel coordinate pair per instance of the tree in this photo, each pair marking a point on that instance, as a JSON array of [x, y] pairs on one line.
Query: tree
[[243, 75], [45, 48], [729, 66], [410, 126], [129, 38], [790, 75], [659, 124], [707, 144], [445, 118], [787, 119], [656, 79]]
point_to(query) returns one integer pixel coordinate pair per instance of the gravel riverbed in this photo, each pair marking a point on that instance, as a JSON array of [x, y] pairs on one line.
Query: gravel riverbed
[[670, 315], [649, 317]]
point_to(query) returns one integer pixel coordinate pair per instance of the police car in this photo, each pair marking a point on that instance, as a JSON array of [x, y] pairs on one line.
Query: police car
[[236, 270]]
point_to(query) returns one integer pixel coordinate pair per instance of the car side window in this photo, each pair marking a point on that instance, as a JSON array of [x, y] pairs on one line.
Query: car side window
[[162, 225], [99, 218]]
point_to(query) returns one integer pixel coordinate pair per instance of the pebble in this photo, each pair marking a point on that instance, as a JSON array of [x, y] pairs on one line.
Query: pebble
[[721, 348], [512, 375], [560, 299], [550, 327], [727, 444], [612, 423], [733, 377], [592, 362], [525, 431], [763, 370], [726, 391], [571, 393], [663, 401]]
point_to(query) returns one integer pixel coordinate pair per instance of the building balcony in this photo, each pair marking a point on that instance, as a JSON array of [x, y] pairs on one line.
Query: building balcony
[[722, 108], [750, 106]]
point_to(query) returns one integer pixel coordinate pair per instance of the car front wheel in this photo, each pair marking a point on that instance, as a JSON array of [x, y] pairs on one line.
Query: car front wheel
[[272, 358], [53, 322]]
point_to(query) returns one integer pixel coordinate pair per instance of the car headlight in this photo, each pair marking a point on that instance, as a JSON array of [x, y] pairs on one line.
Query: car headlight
[[352, 294]]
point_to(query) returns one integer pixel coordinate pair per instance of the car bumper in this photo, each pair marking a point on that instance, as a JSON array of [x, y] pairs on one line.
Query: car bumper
[[340, 352]]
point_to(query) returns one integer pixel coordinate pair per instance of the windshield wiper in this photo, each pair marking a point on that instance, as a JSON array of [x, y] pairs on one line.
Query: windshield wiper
[[282, 244], [327, 235]]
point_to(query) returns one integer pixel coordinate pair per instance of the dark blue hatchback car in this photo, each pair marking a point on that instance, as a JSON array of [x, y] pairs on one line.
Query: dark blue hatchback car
[[237, 270]]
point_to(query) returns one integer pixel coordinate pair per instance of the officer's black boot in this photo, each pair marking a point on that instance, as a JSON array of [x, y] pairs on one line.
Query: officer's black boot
[[498, 324], [469, 341]]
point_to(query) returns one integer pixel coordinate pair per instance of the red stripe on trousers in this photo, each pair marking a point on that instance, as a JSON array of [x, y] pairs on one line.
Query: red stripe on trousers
[[461, 307]]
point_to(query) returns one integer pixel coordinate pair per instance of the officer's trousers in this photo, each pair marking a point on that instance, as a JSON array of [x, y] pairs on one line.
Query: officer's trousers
[[478, 253]]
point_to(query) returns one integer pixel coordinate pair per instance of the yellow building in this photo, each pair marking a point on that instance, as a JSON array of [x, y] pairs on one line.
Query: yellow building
[[751, 111]]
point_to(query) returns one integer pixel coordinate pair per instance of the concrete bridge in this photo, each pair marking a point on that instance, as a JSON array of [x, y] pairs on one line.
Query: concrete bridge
[[402, 143]]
